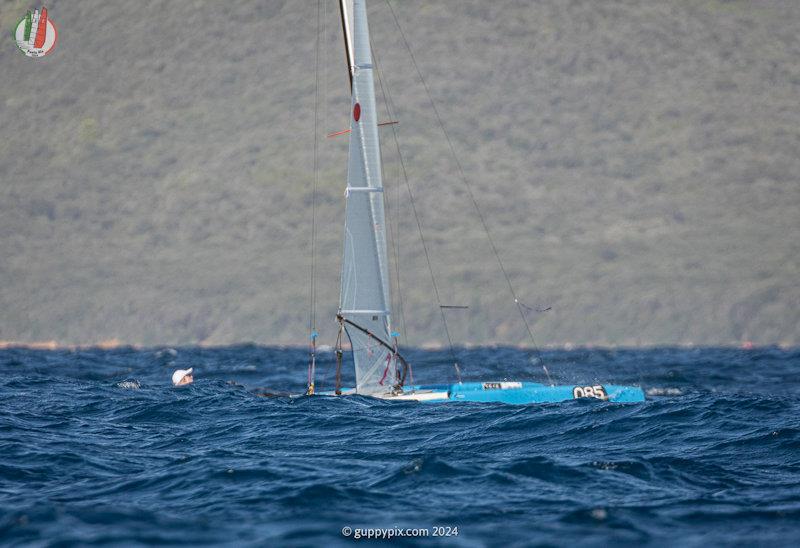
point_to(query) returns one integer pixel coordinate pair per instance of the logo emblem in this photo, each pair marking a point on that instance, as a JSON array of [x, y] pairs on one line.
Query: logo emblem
[[36, 34]]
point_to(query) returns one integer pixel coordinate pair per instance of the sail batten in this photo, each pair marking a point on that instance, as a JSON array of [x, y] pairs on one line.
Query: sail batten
[[365, 293]]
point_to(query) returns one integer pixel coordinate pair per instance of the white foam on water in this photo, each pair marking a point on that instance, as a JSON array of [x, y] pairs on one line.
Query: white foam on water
[[664, 391]]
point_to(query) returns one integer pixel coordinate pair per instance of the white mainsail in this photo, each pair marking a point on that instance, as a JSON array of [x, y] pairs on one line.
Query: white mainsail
[[365, 299]]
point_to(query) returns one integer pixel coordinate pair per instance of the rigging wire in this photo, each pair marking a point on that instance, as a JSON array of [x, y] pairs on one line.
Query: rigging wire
[[387, 99], [324, 66], [394, 235], [312, 313], [470, 193], [336, 366], [397, 255]]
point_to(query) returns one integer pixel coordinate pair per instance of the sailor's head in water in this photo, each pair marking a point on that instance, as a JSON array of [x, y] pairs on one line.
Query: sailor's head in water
[[182, 376]]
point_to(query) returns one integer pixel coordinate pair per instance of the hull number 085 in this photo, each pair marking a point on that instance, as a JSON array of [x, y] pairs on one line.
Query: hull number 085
[[596, 391]]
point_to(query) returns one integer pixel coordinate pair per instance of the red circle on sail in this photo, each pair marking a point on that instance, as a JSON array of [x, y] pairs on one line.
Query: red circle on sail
[[357, 112]]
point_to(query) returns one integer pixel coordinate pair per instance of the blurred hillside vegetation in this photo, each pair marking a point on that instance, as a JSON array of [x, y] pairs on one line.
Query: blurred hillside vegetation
[[638, 164]]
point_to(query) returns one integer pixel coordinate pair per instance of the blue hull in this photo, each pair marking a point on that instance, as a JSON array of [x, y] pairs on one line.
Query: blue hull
[[531, 392], [514, 393]]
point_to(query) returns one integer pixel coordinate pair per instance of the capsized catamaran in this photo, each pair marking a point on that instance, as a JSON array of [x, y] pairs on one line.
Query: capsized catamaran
[[365, 305]]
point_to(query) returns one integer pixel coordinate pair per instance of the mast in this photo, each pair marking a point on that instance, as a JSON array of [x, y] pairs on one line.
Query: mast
[[364, 304], [346, 12]]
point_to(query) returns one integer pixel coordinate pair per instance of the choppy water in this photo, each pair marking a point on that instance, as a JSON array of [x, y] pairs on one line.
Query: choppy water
[[96, 447]]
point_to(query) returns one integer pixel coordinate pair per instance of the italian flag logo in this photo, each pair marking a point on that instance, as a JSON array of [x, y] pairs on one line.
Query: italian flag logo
[[36, 34]]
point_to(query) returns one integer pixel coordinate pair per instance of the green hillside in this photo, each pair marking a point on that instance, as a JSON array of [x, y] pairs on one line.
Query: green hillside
[[638, 163]]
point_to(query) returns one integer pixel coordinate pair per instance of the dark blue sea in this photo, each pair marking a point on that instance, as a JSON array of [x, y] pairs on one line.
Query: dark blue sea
[[97, 448]]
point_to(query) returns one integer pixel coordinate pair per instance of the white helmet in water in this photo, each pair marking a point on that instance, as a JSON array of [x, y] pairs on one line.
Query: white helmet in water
[[182, 376]]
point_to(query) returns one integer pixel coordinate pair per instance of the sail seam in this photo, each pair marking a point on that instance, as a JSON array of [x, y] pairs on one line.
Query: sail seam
[[350, 189]]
